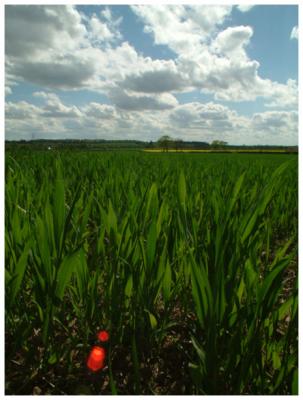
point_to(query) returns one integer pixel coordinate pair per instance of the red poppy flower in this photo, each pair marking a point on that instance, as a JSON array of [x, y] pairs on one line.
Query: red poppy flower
[[103, 336], [96, 358]]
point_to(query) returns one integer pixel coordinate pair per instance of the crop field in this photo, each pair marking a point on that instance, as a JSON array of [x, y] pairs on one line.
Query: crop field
[[253, 151], [186, 263]]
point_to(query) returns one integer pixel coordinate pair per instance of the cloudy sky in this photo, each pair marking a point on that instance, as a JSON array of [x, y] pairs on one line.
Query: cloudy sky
[[138, 72]]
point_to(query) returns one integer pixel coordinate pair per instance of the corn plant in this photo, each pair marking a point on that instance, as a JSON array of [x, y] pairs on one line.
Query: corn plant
[[193, 252]]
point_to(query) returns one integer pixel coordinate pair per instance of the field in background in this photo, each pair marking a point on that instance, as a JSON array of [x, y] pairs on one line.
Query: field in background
[[264, 151], [188, 260]]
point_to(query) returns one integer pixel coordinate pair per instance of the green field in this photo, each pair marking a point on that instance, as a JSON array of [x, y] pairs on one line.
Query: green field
[[189, 261]]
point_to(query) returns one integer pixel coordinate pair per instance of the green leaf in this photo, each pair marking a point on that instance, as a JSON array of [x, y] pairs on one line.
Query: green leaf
[[199, 350], [152, 202], [196, 374], [112, 219], [44, 250], [151, 244], [294, 384], [201, 291], [276, 360], [161, 217], [59, 206], [235, 194], [250, 226], [128, 289], [53, 359], [152, 320], [285, 308], [82, 274], [19, 274], [67, 267], [270, 279], [167, 282], [40, 310], [182, 190]]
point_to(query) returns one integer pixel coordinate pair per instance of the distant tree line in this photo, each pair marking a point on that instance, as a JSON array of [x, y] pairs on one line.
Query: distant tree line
[[165, 143]]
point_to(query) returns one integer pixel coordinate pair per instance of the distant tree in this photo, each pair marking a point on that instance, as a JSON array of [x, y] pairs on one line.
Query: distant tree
[[164, 142], [218, 143], [178, 144]]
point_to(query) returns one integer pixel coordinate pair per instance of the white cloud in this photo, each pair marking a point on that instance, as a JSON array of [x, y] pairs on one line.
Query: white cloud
[[37, 32], [56, 46], [212, 121], [156, 77], [225, 78], [65, 50], [54, 108], [281, 95], [21, 110], [276, 123], [231, 42], [209, 117], [108, 16], [44, 46], [100, 111], [55, 120], [104, 29], [191, 121], [181, 27], [245, 7], [294, 33], [216, 62], [69, 73], [8, 90], [127, 100], [99, 31], [59, 47], [115, 63]]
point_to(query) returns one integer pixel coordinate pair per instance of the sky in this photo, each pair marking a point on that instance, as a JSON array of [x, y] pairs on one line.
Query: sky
[[193, 72]]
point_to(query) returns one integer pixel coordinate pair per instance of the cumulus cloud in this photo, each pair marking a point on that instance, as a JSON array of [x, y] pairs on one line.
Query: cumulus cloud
[[67, 74], [54, 107], [35, 31], [214, 61], [215, 121], [276, 122], [21, 110], [231, 41], [225, 78], [99, 31], [56, 120], [104, 28], [131, 101], [8, 90], [59, 47], [156, 77], [294, 33], [283, 95], [43, 45], [56, 46], [204, 117], [100, 111], [181, 27], [245, 7], [191, 121]]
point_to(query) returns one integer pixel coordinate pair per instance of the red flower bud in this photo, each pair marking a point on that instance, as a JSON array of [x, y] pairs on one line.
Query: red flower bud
[[96, 358], [103, 336]]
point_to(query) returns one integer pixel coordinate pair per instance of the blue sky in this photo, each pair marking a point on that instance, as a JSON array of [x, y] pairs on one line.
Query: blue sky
[[194, 72]]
